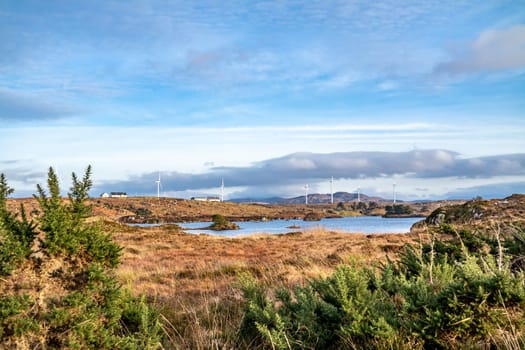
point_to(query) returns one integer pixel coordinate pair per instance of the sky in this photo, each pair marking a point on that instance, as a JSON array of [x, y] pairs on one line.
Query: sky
[[269, 96]]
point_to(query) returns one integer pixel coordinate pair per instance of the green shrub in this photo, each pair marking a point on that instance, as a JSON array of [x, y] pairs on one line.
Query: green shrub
[[14, 319], [398, 209], [219, 219], [16, 235], [221, 223], [443, 295], [80, 303]]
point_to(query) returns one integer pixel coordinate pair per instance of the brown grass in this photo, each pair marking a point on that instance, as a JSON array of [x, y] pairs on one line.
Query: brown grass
[[156, 260], [192, 277]]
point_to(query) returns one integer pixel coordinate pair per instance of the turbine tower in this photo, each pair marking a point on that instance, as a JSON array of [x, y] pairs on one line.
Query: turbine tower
[[332, 190], [394, 189], [306, 194], [158, 187], [359, 194], [222, 189]]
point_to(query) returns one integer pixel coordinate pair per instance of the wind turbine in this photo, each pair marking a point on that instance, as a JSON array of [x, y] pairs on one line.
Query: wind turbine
[[222, 189], [306, 194], [332, 190], [359, 194], [394, 189], [158, 187]]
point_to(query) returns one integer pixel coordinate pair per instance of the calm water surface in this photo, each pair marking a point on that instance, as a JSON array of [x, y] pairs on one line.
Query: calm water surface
[[362, 224]]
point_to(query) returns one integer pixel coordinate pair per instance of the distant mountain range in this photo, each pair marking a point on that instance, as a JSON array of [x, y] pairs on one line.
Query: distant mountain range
[[314, 198]]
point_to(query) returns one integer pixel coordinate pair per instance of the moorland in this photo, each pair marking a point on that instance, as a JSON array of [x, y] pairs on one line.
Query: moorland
[[454, 281]]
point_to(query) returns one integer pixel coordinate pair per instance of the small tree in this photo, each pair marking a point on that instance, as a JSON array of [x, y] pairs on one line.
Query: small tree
[[67, 295], [221, 223], [219, 219]]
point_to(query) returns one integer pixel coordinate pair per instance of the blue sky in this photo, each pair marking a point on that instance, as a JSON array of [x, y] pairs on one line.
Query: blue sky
[[269, 95]]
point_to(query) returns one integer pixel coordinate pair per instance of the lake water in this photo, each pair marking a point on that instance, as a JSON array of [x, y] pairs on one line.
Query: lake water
[[361, 224]]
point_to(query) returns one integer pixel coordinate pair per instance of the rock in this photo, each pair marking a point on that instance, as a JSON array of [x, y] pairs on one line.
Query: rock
[[312, 217], [224, 226]]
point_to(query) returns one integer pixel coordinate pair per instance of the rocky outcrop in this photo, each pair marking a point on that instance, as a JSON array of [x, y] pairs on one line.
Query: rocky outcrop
[[312, 216], [480, 212], [224, 226]]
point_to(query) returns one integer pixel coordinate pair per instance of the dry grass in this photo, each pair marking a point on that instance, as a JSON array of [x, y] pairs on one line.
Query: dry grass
[[192, 277], [156, 260]]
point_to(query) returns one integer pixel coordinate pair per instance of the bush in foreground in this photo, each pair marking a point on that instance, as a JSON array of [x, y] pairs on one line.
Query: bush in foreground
[[59, 290], [439, 299]]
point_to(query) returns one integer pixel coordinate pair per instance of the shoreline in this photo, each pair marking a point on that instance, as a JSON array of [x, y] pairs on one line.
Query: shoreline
[[347, 225]]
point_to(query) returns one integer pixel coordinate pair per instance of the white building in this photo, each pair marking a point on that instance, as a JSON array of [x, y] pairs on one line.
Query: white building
[[119, 194], [206, 199]]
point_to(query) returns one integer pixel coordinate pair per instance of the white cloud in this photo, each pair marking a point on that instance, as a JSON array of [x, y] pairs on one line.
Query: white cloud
[[300, 164], [500, 49], [492, 50]]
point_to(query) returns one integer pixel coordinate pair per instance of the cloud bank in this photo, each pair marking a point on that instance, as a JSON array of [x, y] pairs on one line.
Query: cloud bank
[[300, 168]]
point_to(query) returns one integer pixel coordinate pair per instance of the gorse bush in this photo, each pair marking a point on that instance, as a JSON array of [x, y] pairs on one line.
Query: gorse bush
[[16, 234], [446, 294], [64, 294], [63, 224], [398, 209], [219, 219], [221, 223]]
